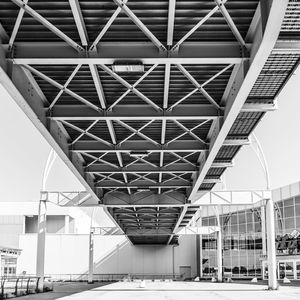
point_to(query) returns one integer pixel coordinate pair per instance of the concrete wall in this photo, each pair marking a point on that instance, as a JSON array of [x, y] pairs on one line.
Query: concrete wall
[[55, 224], [10, 228], [68, 254], [286, 192]]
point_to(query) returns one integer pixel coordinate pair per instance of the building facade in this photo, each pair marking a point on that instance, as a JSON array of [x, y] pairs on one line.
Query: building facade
[[8, 261], [244, 238], [243, 235]]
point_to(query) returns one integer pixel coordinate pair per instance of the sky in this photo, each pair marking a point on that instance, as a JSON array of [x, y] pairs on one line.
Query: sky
[[23, 152]]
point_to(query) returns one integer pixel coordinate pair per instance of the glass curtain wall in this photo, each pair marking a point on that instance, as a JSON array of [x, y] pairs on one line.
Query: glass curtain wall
[[242, 241], [242, 237]]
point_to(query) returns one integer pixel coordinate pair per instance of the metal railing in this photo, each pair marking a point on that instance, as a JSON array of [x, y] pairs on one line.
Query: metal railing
[[112, 277], [14, 286]]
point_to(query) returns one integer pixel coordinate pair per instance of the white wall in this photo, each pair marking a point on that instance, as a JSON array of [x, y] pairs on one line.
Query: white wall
[[68, 254]]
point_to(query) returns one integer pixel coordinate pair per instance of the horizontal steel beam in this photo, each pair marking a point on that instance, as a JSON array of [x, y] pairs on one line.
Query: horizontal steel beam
[[109, 52], [287, 47], [145, 112], [139, 146], [141, 168], [147, 184], [236, 142], [188, 230], [259, 107], [144, 169], [174, 183], [144, 198], [134, 112], [222, 165]]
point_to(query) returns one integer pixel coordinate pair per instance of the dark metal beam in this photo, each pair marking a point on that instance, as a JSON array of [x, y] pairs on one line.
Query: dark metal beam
[[139, 146], [147, 53], [141, 168], [144, 183]]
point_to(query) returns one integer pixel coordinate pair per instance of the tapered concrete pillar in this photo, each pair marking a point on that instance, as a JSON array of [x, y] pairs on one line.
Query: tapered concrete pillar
[[271, 251], [219, 256], [41, 241], [91, 258]]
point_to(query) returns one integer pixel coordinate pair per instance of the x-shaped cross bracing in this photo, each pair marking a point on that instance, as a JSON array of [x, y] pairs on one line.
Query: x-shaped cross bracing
[[122, 6]]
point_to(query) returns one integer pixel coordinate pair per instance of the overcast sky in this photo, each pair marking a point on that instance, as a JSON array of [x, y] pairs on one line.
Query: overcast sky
[[24, 151]]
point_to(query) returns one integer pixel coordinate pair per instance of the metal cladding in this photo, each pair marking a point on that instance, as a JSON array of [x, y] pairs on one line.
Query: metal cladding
[[193, 80]]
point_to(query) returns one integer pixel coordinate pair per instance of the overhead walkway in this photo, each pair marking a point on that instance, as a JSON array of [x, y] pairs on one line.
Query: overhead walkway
[[147, 100]]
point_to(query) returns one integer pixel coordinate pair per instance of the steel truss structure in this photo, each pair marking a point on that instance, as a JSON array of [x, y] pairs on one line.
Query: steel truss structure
[[212, 69]]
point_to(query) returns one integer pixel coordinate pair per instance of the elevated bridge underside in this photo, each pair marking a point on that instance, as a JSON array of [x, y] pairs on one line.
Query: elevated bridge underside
[[148, 99]]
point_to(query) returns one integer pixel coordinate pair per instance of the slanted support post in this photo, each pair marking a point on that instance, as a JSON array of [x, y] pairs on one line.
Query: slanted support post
[[271, 251], [91, 257], [41, 241]]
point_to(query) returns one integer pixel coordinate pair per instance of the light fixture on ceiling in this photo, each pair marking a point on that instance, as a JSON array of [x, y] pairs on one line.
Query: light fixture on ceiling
[[143, 190], [138, 154], [128, 67]]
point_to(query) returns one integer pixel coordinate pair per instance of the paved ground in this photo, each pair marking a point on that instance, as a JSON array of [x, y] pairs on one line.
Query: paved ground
[[169, 291]]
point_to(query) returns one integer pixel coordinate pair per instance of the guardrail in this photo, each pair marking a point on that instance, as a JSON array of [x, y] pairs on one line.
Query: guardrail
[[111, 277], [14, 286]]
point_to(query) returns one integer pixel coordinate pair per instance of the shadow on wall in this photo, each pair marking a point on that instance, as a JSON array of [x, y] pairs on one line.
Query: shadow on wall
[[110, 263], [145, 261]]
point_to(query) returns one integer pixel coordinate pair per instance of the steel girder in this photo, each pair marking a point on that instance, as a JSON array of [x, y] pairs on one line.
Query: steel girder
[[173, 129]]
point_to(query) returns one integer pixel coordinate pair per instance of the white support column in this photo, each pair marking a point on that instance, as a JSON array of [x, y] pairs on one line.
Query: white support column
[[219, 255], [271, 251], [67, 224], [263, 230], [91, 258], [219, 246], [201, 257], [41, 241], [1, 271]]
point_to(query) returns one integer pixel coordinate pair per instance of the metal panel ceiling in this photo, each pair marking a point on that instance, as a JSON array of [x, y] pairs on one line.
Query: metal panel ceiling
[[212, 69]]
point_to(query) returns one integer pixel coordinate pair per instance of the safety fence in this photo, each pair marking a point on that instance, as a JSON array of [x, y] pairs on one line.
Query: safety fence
[[114, 277], [14, 286]]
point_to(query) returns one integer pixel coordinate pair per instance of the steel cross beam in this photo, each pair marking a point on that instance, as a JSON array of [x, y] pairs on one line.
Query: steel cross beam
[[263, 46], [98, 145], [230, 22], [101, 96], [199, 87], [171, 19], [145, 169], [86, 132], [23, 5], [16, 26], [166, 89], [77, 14], [106, 27], [64, 87], [61, 87], [133, 86], [135, 112], [129, 86], [106, 53], [140, 24]]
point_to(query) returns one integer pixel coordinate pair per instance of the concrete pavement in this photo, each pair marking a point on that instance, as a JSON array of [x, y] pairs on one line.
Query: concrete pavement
[[172, 291]]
